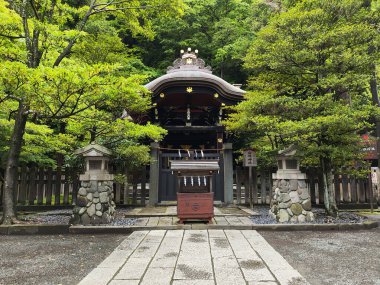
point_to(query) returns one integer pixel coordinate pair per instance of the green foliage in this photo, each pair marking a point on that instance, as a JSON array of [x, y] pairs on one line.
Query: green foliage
[[65, 63], [221, 30], [310, 70]]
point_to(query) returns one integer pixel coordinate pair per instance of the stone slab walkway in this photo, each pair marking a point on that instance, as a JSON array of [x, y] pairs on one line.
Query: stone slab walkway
[[199, 257], [166, 211]]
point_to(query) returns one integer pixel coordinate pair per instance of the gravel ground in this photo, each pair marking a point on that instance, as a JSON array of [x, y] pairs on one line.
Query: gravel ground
[[63, 259], [319, 214], [63, 217], [331, 258]]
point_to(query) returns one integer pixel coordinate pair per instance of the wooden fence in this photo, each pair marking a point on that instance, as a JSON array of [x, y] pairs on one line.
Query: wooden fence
[[349, 191], [45, 186]]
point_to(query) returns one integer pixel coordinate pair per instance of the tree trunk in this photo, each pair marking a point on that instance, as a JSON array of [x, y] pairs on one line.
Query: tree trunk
[[375, 102], [9, 205], [329, 191]]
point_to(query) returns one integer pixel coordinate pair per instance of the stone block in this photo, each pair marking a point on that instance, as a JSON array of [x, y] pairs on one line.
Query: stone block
[[284, 205], [96, 194], [296, 209], [284, 197], [283, 216], [310, 217], [89, 196], [289, 212], [82, 201], [294, 219], [103, 196], [301, 218], [305, 195], [85, 219], [306, 205], [91, 210], [82, 191], [294, 197], [293, 185], [301, 184], [98, 207], [82, 210], [99, 213]]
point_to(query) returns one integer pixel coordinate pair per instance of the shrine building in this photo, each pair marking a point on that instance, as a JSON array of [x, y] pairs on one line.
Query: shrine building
[[188, 101]]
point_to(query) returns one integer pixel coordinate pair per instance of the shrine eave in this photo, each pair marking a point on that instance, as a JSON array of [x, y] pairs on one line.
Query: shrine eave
[[195, 77]]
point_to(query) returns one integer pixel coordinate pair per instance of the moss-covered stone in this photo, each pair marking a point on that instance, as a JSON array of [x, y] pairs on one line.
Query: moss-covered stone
[[296, 209]]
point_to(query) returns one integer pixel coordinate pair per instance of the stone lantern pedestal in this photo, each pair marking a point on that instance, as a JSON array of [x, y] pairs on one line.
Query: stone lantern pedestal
[[291, 199], [95, 203]]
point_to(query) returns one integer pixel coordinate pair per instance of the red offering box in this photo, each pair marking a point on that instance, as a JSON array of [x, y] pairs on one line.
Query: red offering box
[[195, 206]]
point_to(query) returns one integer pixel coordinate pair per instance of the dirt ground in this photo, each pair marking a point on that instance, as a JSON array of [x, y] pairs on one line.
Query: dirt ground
[[58, 259], [333, 258]]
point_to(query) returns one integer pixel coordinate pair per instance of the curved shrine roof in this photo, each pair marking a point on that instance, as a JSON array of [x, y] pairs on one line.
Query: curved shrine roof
[[189, 70]]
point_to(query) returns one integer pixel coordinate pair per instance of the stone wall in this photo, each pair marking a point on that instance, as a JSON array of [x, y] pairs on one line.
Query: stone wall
[[291, 201], [95, 203]]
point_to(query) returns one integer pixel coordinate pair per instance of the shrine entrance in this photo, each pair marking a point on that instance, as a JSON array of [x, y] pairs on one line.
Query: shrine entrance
[[189, 102], [168, 187]]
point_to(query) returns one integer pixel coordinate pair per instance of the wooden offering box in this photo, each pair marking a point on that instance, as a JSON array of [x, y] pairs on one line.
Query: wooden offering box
[[195, 196]]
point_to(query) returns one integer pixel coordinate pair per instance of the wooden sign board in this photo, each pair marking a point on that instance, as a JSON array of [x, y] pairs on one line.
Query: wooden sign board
[[249, 159], [374, 175]]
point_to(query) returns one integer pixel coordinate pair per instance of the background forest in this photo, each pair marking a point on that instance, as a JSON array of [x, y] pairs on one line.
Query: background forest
[[72, 72]]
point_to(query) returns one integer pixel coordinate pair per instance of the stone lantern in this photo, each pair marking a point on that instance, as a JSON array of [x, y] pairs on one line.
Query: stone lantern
[[291, 199], [95, 203]]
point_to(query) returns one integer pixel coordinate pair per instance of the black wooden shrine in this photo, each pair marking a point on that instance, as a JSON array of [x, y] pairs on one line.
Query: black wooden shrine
[[189, 102]]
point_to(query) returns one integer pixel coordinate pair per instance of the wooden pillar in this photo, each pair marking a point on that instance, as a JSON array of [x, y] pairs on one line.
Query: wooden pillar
[[154, 174], [219, 140], [228, 173]]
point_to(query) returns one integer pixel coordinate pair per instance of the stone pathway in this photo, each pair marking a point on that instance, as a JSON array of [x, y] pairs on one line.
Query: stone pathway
[[199, 257], [167, 216], [164, 211]]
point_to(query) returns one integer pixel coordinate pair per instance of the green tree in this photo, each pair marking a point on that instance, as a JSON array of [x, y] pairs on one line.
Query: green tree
[[42, 76], [310, 72], [221, 29]]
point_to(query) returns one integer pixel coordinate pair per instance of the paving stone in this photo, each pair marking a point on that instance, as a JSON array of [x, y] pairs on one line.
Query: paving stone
[[125, 282], [233, 220], [134, 268], [193, 282], [132, 241], [153, 221], [165, 221], [99, 276], [194, 261], [116, 259], [281, 269], [158, 276], [149, 245], [203, 257], [245, 220], [263, 283], [171, 210], [221, 221], [168, 252], [141, 222], [217, 212], [250, 263]]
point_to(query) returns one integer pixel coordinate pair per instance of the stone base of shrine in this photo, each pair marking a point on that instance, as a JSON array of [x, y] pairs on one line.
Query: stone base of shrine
[[291, 200], [95, 203]]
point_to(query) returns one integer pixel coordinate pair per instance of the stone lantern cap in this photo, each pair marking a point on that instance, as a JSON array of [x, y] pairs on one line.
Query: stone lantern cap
[[288, 165], [93, 150], [96, 159]]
